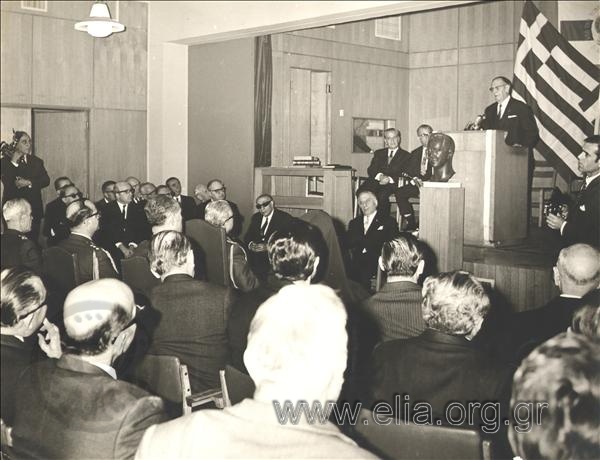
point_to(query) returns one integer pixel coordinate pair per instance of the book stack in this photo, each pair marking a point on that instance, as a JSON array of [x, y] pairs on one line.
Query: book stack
[[306, 160]]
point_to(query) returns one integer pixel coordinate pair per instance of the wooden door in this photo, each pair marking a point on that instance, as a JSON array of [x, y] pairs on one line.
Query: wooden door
[[60, 138]]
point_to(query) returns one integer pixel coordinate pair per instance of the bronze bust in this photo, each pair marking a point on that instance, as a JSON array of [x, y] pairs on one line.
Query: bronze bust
[[440, 150]]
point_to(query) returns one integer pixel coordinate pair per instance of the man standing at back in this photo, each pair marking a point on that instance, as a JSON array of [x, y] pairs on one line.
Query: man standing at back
[[75, 407]]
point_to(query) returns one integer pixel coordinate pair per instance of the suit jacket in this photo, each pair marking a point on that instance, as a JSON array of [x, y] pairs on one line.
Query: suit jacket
[[133, 230], [583, 225], [279, 221], [249, 429], [17, 249], [85, 249], [33, 170], [238, 219], [241, 275], [56, 226], [517, 120], [188, 207], [365, 248], [401, 162], [69, 408], [192, 326], [439, 368], [101, 205]]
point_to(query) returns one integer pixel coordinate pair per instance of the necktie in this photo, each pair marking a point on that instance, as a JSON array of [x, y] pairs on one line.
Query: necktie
[[366, 223], [499, 110], [123, 212], [263, 228]]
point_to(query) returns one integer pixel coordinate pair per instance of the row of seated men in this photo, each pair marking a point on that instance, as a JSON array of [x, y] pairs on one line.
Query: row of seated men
[[296, 341]]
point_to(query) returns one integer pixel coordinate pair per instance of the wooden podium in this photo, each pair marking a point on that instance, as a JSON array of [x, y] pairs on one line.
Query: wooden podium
[[494, 176], [336, 199]]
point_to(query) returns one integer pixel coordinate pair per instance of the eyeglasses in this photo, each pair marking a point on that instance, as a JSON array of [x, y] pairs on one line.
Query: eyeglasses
[[73, 195], [97, 213], [22, 317], [492, 88], [228, 219], [263, 205], [129, 190], [222, 189]]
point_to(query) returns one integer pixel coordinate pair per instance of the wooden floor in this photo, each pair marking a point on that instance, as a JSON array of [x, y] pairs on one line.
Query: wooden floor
[[522, 272]]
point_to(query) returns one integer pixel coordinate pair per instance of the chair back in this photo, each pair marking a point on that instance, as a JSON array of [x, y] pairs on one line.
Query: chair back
[[399, 440], [137, 275], [166, 377], [213, 242], [60, 268], [235, 386]]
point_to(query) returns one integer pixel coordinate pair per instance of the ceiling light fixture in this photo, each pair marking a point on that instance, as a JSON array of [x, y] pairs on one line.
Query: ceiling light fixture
[[99, 24]]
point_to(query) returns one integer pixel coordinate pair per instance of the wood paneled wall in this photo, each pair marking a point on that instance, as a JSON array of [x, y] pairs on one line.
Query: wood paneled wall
[[46, 63]]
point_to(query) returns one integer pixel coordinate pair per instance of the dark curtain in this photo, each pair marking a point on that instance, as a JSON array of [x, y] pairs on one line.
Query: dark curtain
[[263, 87]]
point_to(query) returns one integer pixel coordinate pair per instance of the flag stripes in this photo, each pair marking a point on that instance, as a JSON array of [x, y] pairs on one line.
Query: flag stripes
[[559, 84]]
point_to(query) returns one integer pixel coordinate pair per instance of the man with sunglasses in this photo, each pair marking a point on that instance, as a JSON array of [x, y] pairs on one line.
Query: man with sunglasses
[[123, 223], [217, 191], [56, 227], [55, 209], [263, 224], [76, 407], [94, 262]]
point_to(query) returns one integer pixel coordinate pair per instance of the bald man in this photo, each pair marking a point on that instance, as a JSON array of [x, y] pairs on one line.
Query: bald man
[[576, 273], [75, 407]]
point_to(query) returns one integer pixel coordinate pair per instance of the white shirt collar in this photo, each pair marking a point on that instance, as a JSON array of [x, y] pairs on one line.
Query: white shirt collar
[[503, 105], [106, 368], [589, 179]]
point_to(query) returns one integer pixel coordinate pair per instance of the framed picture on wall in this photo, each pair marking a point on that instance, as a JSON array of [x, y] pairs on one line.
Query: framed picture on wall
[[367, 133]]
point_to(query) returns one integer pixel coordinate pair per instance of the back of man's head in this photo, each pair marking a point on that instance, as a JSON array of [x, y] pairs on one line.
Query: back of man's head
[[78, 214], [162, 210], [577, 270], [297, 345], [293, 253], [564, 375], [13, 212], [96, 314], [402, 256], [61, 182]]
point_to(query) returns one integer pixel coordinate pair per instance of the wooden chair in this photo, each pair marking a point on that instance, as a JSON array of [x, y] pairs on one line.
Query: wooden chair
[[213, 242], [166, 377], [399, 440], [137, 275], [60, 268], [235, 386]]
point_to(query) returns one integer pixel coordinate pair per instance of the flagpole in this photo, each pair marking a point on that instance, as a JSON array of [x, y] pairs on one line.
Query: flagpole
[[597, 123]]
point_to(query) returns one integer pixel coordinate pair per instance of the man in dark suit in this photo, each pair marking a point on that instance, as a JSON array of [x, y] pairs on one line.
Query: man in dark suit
[[75, 407], [56, 207], [94, 262], [24, 176], [419, 155], [17, 249], [582, 224], [263, 224], [442, 366], [218, 191], [108, 195], [56, 226], [193, 314], [123, 223], [365, 237], [187, 203], [390, 170], [577, 272]]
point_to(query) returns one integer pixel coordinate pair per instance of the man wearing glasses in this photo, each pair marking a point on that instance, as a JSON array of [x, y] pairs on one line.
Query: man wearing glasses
[[93, 261], [56, 227], [218, 191], [263, 224], [123, 223]]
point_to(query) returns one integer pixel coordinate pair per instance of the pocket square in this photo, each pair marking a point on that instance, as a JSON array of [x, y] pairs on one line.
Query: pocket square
[[380, 227], [512, 116]]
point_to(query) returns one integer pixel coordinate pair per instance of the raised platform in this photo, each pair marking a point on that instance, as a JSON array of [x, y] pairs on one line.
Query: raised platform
[[522, 272]]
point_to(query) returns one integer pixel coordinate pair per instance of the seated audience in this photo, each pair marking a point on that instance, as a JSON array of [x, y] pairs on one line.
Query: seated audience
[[289, 363], [576, 273], [93, 261], [217, 192], [56, 226], [193, 314], [147, 190], [134, 183], [586, 319], [395, 310], [365, 238], [220, 214], [263, 224], [162, 190], [17, 249], [108, 195], [294, 259], [442, 366], [55, 209], [201, 194], [75, 407], [556, 400], [23, 313], [187, 203]]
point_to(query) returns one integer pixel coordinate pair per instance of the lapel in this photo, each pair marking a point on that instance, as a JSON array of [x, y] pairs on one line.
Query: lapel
[[374, 225], [507, 110]]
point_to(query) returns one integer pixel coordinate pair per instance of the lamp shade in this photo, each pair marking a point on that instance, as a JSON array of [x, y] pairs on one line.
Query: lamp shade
[[99, 24]]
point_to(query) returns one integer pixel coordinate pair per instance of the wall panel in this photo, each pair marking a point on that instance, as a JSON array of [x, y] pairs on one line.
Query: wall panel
[[17, 59], [487, 23], [433, 30], [62, 62]]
